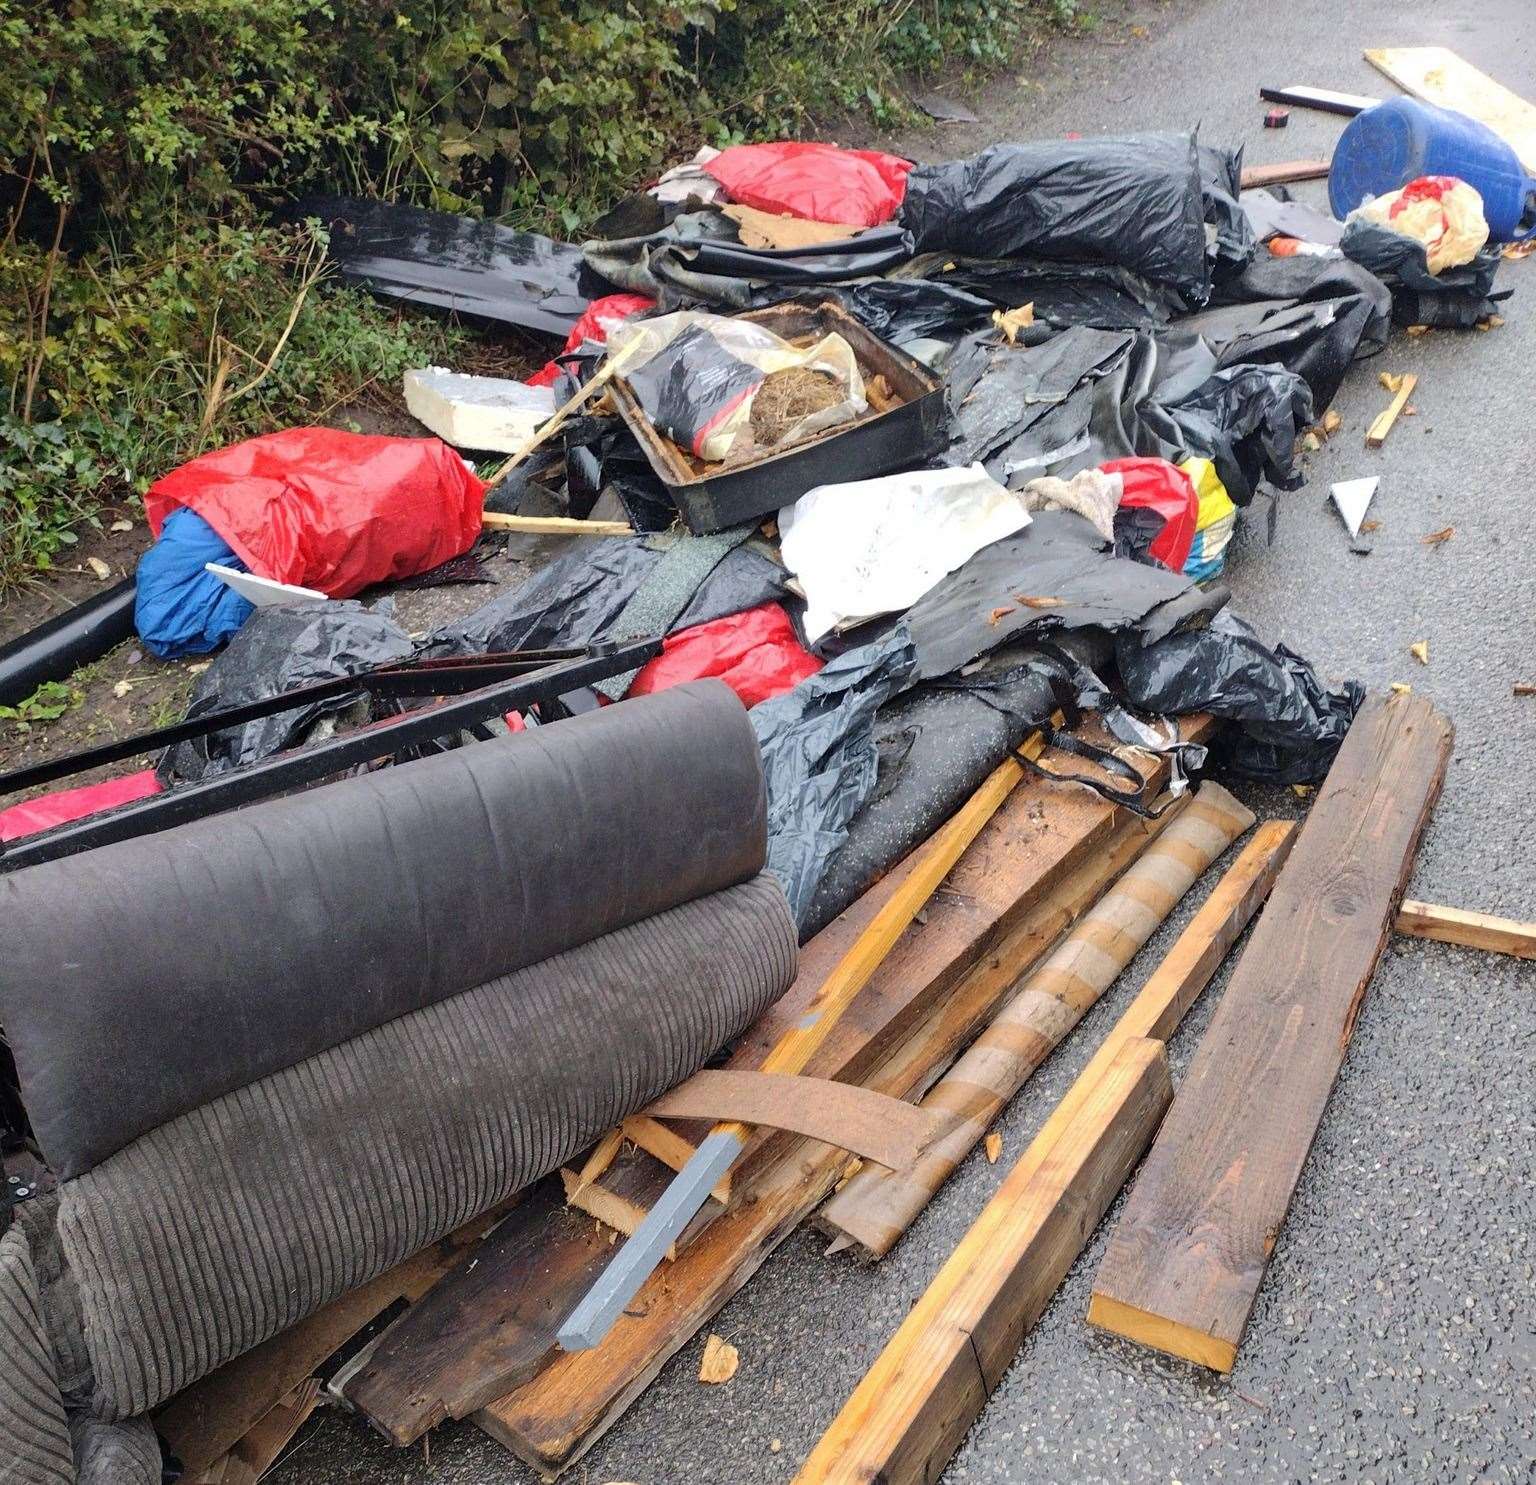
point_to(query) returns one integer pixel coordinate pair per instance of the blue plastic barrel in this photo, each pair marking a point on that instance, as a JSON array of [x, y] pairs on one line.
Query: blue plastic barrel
[[1397, 141]]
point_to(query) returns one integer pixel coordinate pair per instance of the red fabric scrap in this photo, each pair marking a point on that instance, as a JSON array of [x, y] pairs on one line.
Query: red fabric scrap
[[327, 509], [819, 182], [595, 324], [755, 653], [1166, 489], [64, 805]]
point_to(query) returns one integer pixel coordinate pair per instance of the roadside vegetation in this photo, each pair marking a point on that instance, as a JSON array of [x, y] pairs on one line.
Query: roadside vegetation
[[150, 309]]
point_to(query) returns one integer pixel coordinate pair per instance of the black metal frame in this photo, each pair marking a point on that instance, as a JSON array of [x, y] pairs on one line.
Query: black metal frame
[[481, 687]]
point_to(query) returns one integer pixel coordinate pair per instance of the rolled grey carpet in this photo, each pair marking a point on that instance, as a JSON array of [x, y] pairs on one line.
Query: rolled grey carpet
[[140, 980], [218, 1229], [34, 1437]]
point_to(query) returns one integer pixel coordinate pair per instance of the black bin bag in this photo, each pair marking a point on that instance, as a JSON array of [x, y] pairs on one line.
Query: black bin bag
[[1135, 200], [1287, 725]]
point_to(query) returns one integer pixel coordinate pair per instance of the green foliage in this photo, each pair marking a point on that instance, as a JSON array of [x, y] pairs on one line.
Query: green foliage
[[46, 704], [142, 143], [130, 364]]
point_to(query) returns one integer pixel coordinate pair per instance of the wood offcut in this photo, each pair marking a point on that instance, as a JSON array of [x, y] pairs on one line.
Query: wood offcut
[[1187, 1258]]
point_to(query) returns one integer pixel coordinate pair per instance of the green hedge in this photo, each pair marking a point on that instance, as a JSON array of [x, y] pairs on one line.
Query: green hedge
[[142, 143]]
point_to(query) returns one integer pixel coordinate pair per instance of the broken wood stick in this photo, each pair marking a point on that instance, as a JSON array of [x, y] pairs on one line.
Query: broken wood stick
[[1283, 174], [880, 1203], [592, 1318], [1186, 1260], [599, 379], [554, 525], [1376, 434], [1448, 925], [856, 1119], [914, 1405]]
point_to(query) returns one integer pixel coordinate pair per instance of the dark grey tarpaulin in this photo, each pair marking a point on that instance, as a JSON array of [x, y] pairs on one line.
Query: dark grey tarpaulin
[[578, 598], [1135, 200], [820, 761], [698, 259], [450, 262], [1065, 566], [1288, 724], [1103, 295], [1086, 396], [1313, 316], [934, 744], [277, 649]]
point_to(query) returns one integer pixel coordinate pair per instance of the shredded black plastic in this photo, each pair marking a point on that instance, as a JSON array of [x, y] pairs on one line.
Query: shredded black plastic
[[1287, 724], [279, 648]]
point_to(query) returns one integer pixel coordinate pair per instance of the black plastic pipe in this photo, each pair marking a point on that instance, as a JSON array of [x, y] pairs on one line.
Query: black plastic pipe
[[56, 648]]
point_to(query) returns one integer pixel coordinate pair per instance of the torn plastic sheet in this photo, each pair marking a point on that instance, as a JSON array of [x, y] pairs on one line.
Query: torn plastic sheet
[[1312, 316], [901, 311], [1009, 405], [279, 648], [450, 262], [872, 547], [820, 762], [1269, 216], [578, 598], [1056, 574], [1288, 724], [696, 260], [1232, 243], [1133, 200], [1100, 295], [1455, 298]]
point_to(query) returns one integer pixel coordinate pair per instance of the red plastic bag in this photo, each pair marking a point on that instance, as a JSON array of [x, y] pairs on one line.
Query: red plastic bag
[[64, 805], [819, 182], [330, 510], [755, 653], [1165, 492], [599, 317]]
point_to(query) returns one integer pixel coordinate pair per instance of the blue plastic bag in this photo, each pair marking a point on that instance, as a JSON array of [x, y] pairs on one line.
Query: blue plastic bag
[[182, 609]]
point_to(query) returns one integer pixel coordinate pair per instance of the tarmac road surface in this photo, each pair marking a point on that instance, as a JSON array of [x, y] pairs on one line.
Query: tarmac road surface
[[1395, 1335]]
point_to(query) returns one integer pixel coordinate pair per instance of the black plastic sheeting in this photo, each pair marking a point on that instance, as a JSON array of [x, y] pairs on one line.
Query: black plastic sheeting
[[450, 262], [1313, 316], [934, 745], [1066, 567], [698, 259], [578, 598], [1453, 299], [1133, 200], [820, 761], [1232, 244], [1288, 724], [1086, 396], [1102, 295], [901, 310], [279, 648], [53, 650]]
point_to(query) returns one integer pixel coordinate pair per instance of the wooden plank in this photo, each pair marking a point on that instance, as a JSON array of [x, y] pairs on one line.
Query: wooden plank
[[1376, 435], [256, 1453], [878, 1205], [1185, 1263], [210, 1417], [1439, 76], [852, 1118], [555, 525], [1448, 925], [553, 1419], [671, 1149], [1039, 864], [1287, 172], [914, 1405]]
